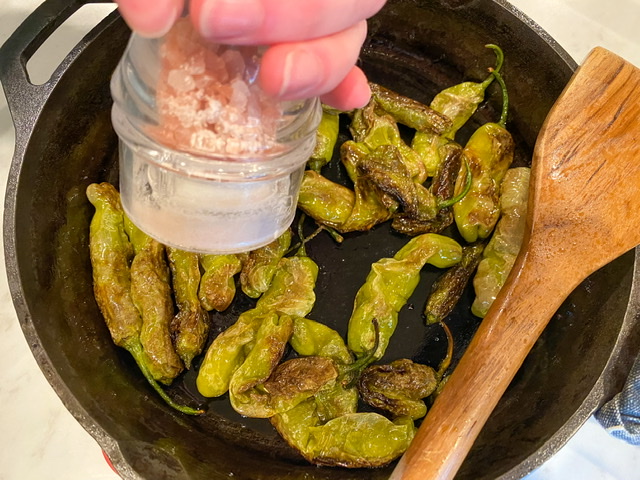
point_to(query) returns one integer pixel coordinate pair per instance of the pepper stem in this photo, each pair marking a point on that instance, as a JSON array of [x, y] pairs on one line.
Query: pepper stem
[[505, 99], [499, 61], [136, 351]]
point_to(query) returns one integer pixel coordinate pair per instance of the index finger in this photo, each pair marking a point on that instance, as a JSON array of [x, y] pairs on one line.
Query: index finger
[[265, 22]]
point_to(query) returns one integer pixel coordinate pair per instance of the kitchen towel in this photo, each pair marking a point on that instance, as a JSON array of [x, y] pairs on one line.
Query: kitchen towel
[[621, 415]]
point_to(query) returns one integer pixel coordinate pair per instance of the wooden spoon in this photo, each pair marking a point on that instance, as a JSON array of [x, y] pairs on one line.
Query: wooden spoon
[[584, 211]]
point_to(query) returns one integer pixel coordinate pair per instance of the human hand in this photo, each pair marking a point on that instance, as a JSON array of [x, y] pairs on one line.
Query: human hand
[[313, 44]]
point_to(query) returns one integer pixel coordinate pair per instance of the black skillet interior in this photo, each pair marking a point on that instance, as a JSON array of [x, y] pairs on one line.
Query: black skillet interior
[[415, 47]]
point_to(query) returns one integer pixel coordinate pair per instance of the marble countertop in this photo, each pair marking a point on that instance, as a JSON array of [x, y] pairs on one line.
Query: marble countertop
[[41, 439]]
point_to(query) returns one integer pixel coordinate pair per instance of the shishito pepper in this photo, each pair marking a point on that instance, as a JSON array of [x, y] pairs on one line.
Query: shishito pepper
[[371, 129], [389, 285], [398, 387], [190, 325], [410, 112], [151, 293], [339, 207], [448, 288], [457, 103], [217, 285], [290, 293], [260, 265], [438, 199], [326, 138], [489, 153], [111, 254], [503, 247]]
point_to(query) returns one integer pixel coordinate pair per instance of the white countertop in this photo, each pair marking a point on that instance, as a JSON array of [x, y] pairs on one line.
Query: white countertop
[[41, 440]]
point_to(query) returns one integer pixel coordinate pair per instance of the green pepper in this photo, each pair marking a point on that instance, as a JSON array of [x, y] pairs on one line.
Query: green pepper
[[111, 254], [338, 207], [217, 285], [389, 285], [410, 112], [260, 265], [371, 206], [326, 138], [371, 130], [354, 440], [311, 338], [191, 324], [385, 168], [503, 247], [457, 103], [489, 153], [327, 202], [399, 387], [151, 293], [290, 293], [448, 288], [442, 194], [259, 363]]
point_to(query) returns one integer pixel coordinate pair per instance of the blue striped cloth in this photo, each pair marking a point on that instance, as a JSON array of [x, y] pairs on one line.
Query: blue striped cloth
[[621, 415]]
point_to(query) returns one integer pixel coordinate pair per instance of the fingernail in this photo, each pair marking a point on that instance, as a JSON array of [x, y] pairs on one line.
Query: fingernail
[[302, 74], [229, 19]]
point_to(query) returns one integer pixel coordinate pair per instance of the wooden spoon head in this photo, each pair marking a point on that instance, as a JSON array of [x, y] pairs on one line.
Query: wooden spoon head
[[586, 167]]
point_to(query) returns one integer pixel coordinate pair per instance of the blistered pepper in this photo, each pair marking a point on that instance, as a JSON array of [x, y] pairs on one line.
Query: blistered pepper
[[399, 387], [354, 440], [371, 129], [217, 285], [190, 325], [489, 153], [111, 254], [503, 247], [151, 293], [260, 265], [410, 112], [339, 207], [449, 287], [442, 193], [326, 138], [389, 285]]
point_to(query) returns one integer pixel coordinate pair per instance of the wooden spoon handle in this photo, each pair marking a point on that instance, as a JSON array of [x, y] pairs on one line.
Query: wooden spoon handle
[[505, 337]]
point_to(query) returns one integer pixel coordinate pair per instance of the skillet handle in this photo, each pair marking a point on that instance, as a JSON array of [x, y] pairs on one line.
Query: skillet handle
[[25, 99]]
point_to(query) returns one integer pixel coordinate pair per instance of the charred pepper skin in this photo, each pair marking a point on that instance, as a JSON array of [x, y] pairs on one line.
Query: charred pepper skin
[[111, 254], [190, 325], [448, 288], [442, 191], [260, 265], [151, 293], [217, 285], [399, 387], [389, 285]]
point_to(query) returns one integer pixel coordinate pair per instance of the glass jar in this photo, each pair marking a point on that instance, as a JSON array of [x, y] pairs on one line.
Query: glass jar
[[208, 162]]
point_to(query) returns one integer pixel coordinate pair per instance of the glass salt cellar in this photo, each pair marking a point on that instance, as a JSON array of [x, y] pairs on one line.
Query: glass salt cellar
[[208, 162]]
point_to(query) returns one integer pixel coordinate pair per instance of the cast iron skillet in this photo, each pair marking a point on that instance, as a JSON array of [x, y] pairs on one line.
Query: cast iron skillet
[[64, 141]]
